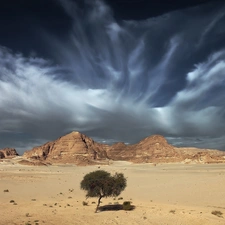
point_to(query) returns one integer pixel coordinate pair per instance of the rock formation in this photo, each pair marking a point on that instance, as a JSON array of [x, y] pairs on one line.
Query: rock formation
[[81, 150], [8, 153], [151, 149], [71, 148]]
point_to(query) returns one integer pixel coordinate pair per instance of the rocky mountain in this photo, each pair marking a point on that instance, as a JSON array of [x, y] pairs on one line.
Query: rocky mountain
[[71, 148], [8, 153], [79, 149], [151, 149]]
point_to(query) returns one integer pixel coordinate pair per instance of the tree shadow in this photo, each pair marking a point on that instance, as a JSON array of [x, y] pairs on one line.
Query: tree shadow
[[115, 207]]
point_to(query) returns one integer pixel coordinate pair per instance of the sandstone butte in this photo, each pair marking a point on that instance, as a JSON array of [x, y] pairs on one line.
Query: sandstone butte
[[77, 148]]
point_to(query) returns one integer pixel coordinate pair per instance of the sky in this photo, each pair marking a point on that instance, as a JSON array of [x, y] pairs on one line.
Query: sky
[[114, 70]]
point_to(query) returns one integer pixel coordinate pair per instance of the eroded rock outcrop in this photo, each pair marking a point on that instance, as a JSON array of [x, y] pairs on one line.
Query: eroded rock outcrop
[[153, 149], [8, 153], [196, 155], [79, 149], [71, 148]]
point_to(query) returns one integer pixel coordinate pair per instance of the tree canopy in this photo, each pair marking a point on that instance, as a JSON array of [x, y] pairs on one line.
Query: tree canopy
[[102, 184]]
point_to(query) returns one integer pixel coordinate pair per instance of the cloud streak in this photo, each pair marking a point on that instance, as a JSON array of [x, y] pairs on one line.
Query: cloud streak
[[120, 80]]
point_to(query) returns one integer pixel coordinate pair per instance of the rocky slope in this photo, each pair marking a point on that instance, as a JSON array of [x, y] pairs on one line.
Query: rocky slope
[[81, 150], [151, 149], [8, 153], [71, 148]]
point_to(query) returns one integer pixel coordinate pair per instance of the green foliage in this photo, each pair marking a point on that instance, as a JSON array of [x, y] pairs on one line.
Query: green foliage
[[127, 205], [101, 184]]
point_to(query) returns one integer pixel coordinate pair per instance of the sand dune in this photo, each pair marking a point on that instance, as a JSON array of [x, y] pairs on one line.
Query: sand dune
[[167, 194]]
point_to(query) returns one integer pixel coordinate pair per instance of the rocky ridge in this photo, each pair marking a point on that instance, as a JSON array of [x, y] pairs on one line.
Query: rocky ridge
[[77, 148], [8, 153], [71, 148]]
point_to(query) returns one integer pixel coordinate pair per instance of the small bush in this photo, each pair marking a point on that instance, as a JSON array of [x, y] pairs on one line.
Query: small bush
[[12, 201], [127, 205], [217, 213], [85, 203], [172, 211], [6, 190]]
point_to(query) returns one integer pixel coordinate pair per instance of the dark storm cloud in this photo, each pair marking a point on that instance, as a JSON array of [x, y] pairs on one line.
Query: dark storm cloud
[[120, 80]]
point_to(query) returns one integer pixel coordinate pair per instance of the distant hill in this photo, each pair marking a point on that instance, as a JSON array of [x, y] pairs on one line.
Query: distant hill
[[8, 153], [77, 148]]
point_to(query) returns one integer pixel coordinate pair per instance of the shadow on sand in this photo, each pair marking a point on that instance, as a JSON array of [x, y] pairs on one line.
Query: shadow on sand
[[115, 207]]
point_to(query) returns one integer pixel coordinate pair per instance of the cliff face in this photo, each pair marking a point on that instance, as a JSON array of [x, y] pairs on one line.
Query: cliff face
[[156, 149], [71, 148], [81, 150], [195, 155], [8, 153], [151, 149]]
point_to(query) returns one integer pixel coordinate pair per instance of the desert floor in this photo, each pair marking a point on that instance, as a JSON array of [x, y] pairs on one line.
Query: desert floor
[[166, 194]]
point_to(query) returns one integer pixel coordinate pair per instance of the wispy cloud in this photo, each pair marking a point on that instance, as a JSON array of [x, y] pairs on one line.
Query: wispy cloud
[[202, 82], [214, 19], [117, 80]]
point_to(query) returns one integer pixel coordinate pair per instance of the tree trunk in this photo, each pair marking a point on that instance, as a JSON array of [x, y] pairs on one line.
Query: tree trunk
[[99, 201]]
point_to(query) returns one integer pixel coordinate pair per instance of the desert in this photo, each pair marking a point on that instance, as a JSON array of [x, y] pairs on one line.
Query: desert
[[163, 194], [166, 185]]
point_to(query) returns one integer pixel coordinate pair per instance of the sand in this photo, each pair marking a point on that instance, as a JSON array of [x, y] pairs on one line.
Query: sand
[[166, 194]]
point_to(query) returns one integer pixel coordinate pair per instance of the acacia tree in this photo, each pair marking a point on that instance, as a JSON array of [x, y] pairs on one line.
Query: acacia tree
[[101, 184]]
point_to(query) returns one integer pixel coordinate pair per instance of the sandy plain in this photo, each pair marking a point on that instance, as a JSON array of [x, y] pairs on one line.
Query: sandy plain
[[165, 194]]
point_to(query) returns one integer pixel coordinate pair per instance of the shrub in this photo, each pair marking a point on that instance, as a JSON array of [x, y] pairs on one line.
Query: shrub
[[127, 205], [217, 213], [172, 211], [84, 203]]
